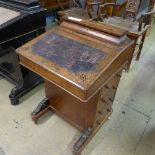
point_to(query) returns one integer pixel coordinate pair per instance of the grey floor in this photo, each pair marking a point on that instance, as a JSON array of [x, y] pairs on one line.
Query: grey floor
[[129, 131]]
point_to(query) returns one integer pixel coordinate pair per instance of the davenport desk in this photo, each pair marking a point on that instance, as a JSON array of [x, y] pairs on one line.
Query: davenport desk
[[81, 70]]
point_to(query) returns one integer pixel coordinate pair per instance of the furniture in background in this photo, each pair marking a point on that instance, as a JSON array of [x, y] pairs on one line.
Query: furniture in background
[[20, 21], [119, 7], [54, 6], [136, 29], [88, 12], [81, 62]]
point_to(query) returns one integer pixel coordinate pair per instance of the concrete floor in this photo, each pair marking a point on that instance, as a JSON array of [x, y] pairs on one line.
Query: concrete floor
[[130, 130]]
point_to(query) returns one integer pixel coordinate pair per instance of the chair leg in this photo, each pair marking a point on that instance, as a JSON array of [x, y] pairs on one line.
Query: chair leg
[[54, 15], [141, 47], [130, 58]]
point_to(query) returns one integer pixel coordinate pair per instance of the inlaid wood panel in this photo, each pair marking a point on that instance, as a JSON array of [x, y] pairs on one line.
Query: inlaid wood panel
[[106, 98]]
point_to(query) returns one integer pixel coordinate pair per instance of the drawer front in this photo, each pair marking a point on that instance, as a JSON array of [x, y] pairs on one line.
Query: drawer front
[[107, 98]]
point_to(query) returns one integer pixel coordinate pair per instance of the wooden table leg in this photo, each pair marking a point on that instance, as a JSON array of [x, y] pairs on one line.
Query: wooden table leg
[[141, 46], [130, 58]]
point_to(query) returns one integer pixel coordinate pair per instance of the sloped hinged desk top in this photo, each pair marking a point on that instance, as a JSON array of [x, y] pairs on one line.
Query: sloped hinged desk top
[[77, 63]]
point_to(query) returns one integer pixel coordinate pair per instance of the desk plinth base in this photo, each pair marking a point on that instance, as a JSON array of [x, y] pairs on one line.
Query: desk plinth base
[[87, 134], [41, 109], [87, 116], [86, 137]]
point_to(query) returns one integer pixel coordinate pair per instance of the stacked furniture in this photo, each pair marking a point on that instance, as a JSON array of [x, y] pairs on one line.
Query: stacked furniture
[[20, 21]]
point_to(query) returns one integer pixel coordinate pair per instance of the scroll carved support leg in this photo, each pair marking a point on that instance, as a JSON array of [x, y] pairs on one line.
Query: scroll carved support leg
[[78, 147], [41, 109]]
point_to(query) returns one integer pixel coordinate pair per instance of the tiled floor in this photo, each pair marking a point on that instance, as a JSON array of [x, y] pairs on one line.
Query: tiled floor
[[130, 130]]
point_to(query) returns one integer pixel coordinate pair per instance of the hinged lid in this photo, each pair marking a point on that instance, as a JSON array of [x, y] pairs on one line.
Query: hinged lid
[[77, 63]]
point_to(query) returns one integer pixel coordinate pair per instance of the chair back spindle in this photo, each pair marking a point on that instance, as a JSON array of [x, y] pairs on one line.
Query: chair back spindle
[[132, 9]]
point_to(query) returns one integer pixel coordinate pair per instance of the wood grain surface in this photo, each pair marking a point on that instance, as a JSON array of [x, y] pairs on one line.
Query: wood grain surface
[[81, 84]]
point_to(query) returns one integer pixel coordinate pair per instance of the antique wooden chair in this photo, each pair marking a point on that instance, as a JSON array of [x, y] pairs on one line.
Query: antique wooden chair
[[136, 29], [89, 11], [119, 6], [92, 7]]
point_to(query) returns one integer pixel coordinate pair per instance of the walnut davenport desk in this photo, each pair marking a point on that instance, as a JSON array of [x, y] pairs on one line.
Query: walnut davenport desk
[[81, 64]]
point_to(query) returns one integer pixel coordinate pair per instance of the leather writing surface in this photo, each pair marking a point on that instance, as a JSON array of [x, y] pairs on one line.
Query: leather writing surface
[[67, 53]]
